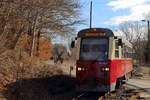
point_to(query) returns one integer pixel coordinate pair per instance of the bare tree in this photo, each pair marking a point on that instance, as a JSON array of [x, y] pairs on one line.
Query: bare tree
[[36, 18], [136, 34], [58, 50]]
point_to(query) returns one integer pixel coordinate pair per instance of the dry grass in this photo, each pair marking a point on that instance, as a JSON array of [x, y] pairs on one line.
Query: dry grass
[[16, 66]]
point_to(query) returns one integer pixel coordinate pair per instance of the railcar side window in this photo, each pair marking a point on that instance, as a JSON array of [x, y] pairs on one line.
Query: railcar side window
[[123, 51], [116, 49], [127, 52]]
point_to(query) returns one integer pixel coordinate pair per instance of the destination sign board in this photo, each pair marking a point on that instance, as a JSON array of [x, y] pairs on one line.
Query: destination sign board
[[95, 34]]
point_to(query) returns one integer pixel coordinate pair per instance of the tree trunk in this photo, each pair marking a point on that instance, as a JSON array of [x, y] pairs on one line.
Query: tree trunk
[[38, 42], [15, 40]]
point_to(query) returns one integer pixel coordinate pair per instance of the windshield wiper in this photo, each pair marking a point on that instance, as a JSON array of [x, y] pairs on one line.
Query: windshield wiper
[[94, 61]]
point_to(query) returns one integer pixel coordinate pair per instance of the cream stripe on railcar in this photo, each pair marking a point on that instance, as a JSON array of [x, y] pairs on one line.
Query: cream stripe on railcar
[[111, 48], [78, 48]]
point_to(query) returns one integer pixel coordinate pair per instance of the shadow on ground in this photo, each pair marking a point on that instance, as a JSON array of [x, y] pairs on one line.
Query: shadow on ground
[[54, 88]]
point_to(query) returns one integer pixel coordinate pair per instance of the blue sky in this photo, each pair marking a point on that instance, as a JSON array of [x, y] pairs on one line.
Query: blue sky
[[100, 15], [110, 13]]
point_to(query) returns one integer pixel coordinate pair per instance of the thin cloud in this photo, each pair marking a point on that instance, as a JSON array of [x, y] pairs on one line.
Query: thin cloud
[[123, 4], [137, 9]]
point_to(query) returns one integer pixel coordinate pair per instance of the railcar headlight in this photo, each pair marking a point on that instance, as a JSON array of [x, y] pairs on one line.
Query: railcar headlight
[[79, 68], [105, 69]]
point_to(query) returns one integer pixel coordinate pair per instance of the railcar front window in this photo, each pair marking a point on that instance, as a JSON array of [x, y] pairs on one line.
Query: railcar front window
[[94, 49]]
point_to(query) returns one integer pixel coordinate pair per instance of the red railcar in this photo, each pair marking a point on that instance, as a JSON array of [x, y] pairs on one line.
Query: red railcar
[[103, 60]]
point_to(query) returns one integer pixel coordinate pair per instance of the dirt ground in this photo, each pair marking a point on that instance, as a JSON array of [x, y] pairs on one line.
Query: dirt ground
[[142, 72]]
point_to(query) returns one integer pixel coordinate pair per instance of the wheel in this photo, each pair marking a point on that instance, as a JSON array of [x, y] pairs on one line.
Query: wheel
[[119, 83]]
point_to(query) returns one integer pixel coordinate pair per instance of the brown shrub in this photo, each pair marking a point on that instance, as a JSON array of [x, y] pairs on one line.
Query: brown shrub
[[15, 65]]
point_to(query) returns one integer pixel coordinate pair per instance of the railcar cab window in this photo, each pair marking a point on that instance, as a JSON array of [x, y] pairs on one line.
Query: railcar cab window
[[94, 48]]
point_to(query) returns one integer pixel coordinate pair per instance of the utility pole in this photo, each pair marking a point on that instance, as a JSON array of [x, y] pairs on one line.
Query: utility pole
[[148, 41], [91, 8], [148, 35]]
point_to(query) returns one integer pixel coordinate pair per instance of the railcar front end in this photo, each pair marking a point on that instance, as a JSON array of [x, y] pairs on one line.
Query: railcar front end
[[100, 62]]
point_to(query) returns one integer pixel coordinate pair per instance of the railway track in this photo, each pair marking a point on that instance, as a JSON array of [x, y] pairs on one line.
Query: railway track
[[87, 96], [98, 96], [124, 93]]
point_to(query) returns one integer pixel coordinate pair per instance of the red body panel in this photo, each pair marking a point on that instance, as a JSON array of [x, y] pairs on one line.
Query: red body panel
[[92, 69], [118, 68]]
